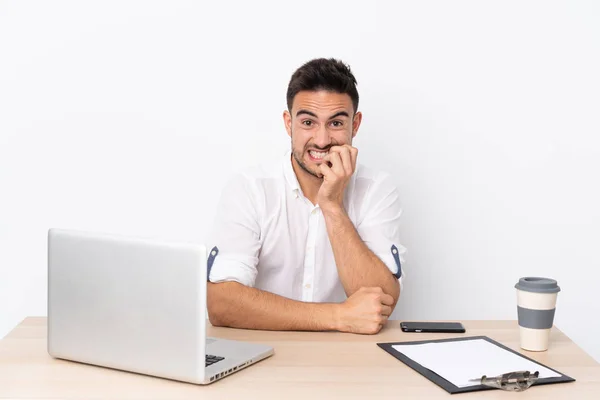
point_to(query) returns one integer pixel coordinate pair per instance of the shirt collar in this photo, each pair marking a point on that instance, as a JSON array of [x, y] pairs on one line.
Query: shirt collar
[[290, 175]]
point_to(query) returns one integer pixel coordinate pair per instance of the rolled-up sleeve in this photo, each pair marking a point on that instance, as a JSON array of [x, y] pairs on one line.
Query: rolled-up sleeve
[[236, 235], [380, 227]]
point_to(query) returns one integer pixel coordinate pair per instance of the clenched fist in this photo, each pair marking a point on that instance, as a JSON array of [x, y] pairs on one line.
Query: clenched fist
[[337, 169], [366, 311]]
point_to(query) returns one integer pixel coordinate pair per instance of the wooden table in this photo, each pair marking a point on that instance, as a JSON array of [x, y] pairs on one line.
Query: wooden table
[[306, 365]]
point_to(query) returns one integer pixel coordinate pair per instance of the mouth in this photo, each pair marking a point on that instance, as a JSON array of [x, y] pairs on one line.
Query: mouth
[[316, 155]]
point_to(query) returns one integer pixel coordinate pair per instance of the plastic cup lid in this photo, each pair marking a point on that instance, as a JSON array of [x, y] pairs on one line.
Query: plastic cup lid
[[537, 285]]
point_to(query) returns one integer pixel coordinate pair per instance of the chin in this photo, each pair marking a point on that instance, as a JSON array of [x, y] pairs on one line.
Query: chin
[[313, 167]]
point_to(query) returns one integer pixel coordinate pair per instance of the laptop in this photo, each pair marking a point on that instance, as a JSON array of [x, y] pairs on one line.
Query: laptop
[[136, 305]]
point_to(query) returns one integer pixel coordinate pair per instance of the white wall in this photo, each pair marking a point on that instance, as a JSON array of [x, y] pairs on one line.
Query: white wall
[[127, 117]]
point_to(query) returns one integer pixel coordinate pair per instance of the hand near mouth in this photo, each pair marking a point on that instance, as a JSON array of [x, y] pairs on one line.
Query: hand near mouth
[[337, 168]]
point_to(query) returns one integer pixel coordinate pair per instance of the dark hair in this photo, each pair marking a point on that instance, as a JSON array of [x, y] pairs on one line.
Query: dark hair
[[323, 74]]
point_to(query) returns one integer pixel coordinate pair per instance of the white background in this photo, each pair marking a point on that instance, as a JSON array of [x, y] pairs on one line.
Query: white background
[[128, 117]]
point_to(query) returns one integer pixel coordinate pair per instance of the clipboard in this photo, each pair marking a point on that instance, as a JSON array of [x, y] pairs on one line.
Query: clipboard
[[449, 386]]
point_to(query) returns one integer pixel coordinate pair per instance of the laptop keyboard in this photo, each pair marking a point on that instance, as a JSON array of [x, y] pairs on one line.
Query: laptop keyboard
[[210, 360]]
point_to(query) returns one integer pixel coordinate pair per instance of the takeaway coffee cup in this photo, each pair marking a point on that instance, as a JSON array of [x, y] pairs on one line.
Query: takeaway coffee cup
[[536, 303]]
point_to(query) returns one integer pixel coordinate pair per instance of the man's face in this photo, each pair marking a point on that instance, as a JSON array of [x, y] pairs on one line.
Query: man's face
[[319, 120]]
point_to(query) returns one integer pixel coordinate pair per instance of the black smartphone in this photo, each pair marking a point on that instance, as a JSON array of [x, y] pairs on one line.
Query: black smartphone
[[446, 327]]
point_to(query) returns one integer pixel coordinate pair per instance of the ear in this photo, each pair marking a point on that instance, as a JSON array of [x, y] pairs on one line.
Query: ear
[[287, 120], [356, 123]]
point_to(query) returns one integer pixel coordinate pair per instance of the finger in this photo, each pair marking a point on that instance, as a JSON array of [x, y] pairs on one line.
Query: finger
[[373, 328], [347, 160], [386, 310], [371, 289], [346, 157], [327, 172], [386, 299], [383, 321], [353, 155], [336, 163]]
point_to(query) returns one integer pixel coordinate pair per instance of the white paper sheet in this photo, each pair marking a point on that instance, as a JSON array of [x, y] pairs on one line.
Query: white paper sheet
[[459, 361]]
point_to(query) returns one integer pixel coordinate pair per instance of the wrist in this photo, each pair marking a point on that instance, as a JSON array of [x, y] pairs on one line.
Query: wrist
[[337, 317], [332, 209]]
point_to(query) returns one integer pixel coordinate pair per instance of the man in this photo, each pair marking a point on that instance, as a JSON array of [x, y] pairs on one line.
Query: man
[[310, 243]]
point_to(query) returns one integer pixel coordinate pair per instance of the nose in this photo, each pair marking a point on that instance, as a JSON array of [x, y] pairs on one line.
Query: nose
[[322, 138]]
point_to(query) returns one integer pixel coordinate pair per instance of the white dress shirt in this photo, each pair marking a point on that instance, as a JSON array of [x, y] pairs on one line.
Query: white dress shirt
[[269, 236]]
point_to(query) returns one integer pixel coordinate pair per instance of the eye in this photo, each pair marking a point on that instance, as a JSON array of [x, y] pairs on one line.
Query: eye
[[337, 124], [307, 122]]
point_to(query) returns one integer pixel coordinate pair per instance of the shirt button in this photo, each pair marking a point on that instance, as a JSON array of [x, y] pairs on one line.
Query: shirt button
[[313, 212], [307, 286]]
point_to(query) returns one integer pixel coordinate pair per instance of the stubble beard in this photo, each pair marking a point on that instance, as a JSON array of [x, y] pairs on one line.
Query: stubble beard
[[298, 156]]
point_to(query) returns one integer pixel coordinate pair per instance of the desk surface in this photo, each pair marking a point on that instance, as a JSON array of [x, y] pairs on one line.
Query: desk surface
[[306, 365]]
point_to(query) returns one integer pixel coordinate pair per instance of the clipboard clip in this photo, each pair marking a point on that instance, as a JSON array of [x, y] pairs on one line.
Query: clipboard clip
[[516, 381]]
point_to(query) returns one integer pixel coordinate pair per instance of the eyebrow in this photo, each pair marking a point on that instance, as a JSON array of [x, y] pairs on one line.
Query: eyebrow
[[312, 114]]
